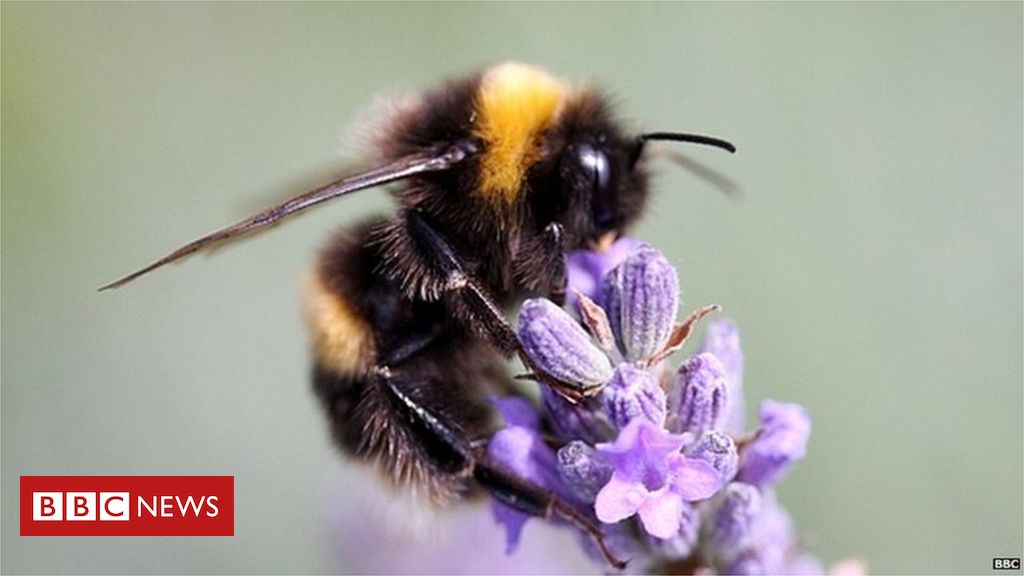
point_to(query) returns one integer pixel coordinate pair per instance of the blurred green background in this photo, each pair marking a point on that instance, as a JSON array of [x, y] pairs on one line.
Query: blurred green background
[[874, 265]]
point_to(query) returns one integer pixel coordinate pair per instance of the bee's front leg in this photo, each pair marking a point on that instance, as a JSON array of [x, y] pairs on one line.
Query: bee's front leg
[[540, 265], [476, 303], [554, 238]]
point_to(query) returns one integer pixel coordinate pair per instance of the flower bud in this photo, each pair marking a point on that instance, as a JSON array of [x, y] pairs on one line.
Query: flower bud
[[730, 527], [718, 449], [559, 345], [633, 393], [722, 339], [702, 395], [583, 470], [641, 296], [775, 538], [781, 441]]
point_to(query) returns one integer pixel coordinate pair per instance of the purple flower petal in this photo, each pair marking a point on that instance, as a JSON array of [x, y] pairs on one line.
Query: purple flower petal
[[660, 513], [517, 411], [694, 479], [513, 521], [641, 297], [633, 393], [619, 499], [587, 268], [682, 544], [652, 479], [640, 449], [781, 441], [723, 340], [522, 451], [701, 395], [558, 344]]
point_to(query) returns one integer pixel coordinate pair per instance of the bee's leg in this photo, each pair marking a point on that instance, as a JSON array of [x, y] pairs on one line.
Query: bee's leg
[[411, 346], [522, 495], [441, 442], [554, 265], [446, 447], [480, 305], [539, 264]]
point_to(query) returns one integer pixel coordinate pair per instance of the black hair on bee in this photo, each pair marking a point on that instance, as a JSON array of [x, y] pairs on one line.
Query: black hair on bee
[[498, 174]]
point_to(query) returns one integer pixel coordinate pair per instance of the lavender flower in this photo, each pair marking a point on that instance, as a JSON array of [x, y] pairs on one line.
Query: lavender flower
[[731, 524], [684, 542], [749, 533], [633, 393], [583, 469], [586, 269], [578, 420], [649, 456], [718, 449], [517, 411], [520, 448], [722, 339], [781, 441], [652, 479], [641, 296], [559, 345], [702, 394]]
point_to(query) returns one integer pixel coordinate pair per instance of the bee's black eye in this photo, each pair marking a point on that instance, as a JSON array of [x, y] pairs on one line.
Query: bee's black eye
[[597, 173]]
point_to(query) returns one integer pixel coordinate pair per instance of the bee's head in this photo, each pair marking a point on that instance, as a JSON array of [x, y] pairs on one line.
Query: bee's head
[[605, 193], [591, 180], [587, 180]]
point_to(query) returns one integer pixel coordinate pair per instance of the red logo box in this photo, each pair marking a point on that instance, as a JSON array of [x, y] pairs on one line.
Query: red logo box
[[127, 505]]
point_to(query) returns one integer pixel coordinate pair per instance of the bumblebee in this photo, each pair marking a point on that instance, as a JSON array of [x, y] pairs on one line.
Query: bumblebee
[[498, 176]]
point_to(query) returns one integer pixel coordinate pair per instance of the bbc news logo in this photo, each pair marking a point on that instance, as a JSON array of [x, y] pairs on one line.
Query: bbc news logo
[[127, 505]]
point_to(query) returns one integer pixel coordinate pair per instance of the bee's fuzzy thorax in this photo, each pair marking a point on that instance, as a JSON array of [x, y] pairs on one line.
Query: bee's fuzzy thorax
[[515, 104]]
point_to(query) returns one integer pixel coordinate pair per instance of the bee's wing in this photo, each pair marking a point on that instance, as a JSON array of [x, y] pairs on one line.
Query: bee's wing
[[433, 161]]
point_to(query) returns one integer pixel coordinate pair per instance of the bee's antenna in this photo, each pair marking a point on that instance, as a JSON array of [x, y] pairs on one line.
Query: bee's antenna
[[694, 138], [679, 137]]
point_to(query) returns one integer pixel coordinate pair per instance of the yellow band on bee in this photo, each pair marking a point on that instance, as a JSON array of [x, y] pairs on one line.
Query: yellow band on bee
[[342, 339], [515, 104]]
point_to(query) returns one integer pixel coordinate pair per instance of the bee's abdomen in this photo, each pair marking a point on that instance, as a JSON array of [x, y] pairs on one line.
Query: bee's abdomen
[[403, 386], [342, 338]]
